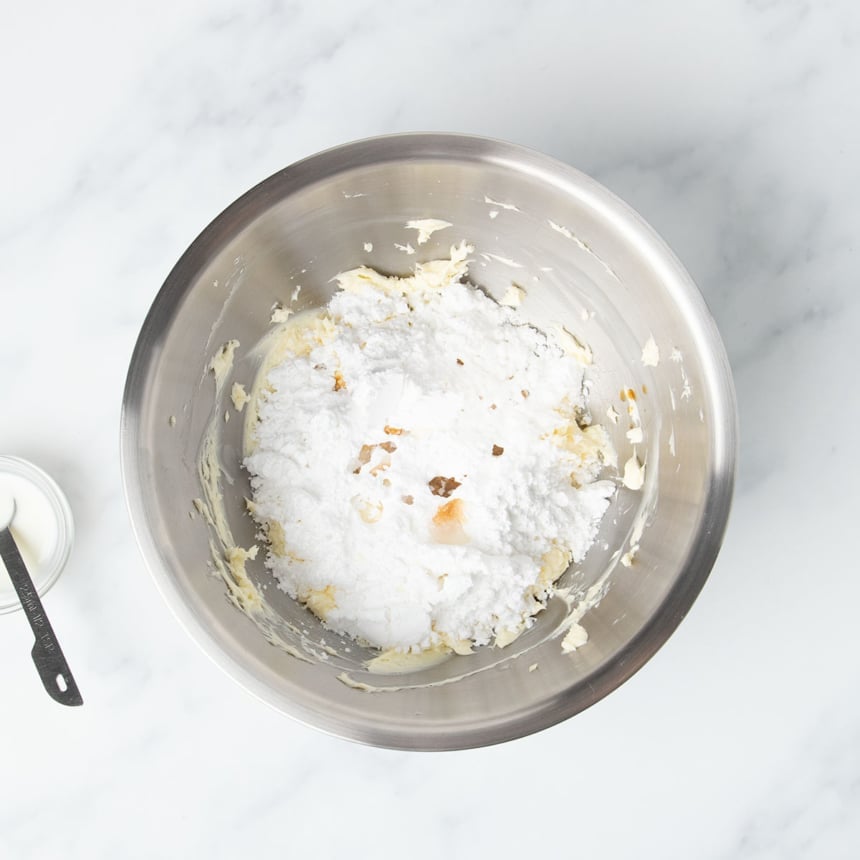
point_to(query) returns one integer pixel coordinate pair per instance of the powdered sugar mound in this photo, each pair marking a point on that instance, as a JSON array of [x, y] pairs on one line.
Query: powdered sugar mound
[[420, 472]]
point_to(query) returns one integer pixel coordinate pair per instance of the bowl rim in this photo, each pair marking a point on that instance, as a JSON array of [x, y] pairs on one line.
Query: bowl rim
[[437, 146]]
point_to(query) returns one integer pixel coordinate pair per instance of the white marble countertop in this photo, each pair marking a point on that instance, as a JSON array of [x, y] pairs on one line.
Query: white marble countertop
[[732, 127]]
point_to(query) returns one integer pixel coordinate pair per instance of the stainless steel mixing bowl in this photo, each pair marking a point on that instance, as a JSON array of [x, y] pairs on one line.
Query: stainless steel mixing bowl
[[586, 261]]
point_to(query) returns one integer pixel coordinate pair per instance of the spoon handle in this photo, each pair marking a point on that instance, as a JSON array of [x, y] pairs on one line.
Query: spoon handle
[[47, 655]]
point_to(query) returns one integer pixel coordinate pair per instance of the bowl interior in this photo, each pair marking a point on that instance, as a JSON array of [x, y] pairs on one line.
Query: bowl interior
[[585, 262]]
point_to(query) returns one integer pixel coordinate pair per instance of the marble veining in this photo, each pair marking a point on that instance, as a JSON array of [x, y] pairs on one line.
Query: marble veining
[[732, 127]]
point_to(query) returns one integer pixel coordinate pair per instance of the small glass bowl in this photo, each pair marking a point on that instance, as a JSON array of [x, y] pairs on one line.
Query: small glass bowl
[[45, 575]]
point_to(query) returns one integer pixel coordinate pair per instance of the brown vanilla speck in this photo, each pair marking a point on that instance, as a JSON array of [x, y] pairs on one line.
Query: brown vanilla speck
[[443, 487], [524, 392], [460, 362], [339, 381], [407, 500], [498, 450]]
